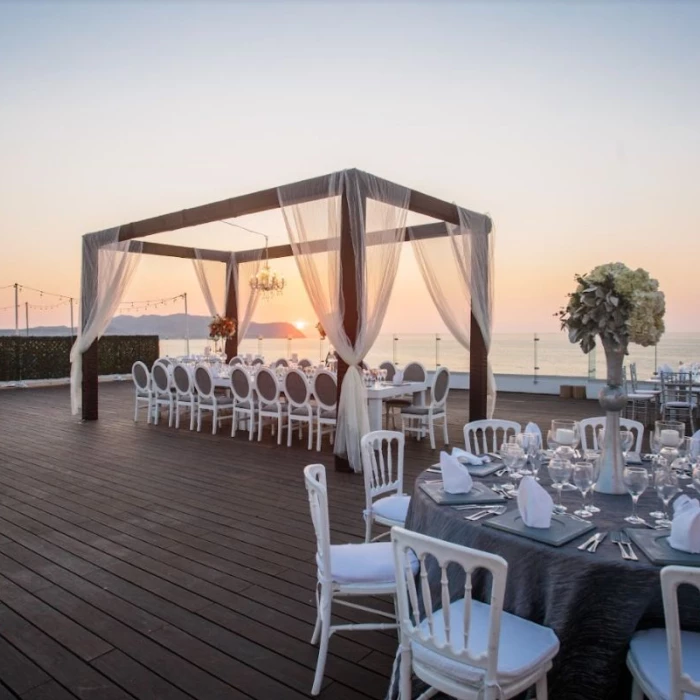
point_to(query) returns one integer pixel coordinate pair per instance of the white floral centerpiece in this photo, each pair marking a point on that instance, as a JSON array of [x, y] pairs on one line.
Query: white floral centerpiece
[[621, 306]]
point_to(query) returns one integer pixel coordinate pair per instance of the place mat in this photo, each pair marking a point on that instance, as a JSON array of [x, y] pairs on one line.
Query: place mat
[[479, 494], [654, 544], [477, 470], [562, 530]]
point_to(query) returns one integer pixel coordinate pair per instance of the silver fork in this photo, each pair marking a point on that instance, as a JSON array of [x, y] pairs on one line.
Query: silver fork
[[495, 510], [624, 538], [598, 539], [615, 538]]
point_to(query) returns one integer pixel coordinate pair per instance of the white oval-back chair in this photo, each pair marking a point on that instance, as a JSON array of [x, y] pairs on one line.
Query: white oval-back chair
[[382, 466], [416, 419], [270, 404], [482, 436], [244, 402], [143, 392], [300, 409], [185, 394], [162, 391], [219, 405], [325, 392]]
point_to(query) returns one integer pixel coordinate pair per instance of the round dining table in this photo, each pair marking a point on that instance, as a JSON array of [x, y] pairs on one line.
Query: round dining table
[[594, 602]]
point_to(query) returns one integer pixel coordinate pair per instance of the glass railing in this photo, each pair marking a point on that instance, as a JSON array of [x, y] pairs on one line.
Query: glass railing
[[534, 355]]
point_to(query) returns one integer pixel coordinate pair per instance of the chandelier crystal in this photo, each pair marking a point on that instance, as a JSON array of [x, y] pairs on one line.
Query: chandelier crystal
[[267, 282]]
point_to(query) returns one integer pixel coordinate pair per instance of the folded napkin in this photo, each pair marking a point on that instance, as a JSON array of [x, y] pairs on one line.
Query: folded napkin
[[685, 527], [464, 456], [455, 477], [533, 428], [398, 377], [534, 503], [695, 445]]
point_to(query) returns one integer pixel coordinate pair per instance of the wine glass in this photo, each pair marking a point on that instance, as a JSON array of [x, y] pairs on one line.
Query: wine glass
[[583, 480], [636, 480], [685, 448], [696, 476], [593, 456], [666, 485], [511, 453], [552, 444], [559, 471], [658, 463], [529, 442], [626, 442]]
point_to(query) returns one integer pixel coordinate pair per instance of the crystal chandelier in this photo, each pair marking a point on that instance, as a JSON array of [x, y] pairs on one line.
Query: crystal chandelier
[[267, 282]]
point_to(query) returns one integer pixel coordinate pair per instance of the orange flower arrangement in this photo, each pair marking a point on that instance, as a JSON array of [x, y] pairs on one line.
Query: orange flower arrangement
[[222, 327], [321, 330]]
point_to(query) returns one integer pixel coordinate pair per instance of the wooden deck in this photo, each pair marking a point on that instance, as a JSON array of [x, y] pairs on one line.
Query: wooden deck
[[142, 562]]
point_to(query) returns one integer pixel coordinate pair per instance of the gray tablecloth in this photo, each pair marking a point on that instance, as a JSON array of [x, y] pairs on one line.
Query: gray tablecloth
[[594, 602]]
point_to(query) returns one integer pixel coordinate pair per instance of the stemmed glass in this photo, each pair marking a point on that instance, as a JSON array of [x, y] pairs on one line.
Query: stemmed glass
[[666, 485], [583, 480], [559, 471], [636, 480], [626, 442], [685, 449], [530, 443], [696, 476], [511, 454], [593, 456], [658, 463]]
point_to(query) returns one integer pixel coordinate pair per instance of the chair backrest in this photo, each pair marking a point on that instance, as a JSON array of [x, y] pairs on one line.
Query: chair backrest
[[588, 429], [382, 463], [161, 377], [266, 385], [203, 380], [304, 362], [182, 380], [440, 633], [164, 361], [315, 480], [390, 368], [671, 578], [414, 372], [241, 386], [236, 360], [497, 430], [296, 388], [281, 363], [676, 386], [326, 389], [257, 361], [140, 375], [440, 388]]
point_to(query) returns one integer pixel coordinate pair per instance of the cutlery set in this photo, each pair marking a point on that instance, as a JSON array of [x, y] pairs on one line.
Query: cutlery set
[[622, 540], [483, 512], [591, 544]]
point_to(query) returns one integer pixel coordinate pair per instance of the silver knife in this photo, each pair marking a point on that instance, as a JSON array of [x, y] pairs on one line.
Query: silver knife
[[599, 538], [591, 540]]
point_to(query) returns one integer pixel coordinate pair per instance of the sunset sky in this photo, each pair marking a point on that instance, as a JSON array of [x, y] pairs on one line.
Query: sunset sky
[[575, 125]]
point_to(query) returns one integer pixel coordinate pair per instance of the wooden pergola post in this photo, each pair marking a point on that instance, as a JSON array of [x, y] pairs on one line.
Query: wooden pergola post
[[231, 346], [478, 354], [88, 296]]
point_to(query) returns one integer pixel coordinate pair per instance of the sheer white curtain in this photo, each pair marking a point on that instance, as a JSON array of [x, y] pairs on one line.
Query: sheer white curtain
[[458, 272], [246, 297], [213, 281], [102, 289], [376, 216]]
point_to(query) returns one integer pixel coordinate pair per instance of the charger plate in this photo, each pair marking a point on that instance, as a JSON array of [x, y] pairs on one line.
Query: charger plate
[[479, 495], [654, 544], [562, 530]]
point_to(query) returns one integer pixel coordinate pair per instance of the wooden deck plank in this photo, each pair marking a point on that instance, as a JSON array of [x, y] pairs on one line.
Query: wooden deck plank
[[183, 561]]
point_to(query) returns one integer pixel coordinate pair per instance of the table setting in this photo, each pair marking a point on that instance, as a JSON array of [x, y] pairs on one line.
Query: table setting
[[582, 562]]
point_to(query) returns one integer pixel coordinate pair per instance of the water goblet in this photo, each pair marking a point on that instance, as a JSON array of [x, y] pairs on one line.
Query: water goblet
[[681, 464], [583, 480], [552, 444], [658, 463], [593, 456], [559, 471], [696, 476], [636, 480], [511, 454], [666, 485], [529, 442], [626, 442]]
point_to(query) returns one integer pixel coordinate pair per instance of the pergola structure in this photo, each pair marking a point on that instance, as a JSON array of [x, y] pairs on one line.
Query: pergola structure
[[265, 200]]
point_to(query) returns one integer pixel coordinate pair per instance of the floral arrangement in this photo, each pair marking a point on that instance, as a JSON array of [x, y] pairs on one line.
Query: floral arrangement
[[321, 330], [222, 327], [619, 304]]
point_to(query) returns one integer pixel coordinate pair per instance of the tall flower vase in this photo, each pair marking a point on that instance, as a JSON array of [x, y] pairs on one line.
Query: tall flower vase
[[613, 399]]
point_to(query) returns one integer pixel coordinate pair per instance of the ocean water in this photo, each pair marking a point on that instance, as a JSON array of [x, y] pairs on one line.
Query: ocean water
[[516, 353]]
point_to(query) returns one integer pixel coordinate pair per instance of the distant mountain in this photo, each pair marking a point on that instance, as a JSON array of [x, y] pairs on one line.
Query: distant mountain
[[172, 326]]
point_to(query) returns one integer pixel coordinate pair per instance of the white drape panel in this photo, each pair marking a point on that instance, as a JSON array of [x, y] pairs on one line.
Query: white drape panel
[[246, 298], [213, 281], [458, 272], [116, 263], [376, 212]]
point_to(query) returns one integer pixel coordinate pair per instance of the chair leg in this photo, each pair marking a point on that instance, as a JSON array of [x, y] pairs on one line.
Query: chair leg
[[214, 420], [368, 527], [445, 437], [136, 409], [431, 432], [260, 426], [325, 612], [199, 419], [251, 425], [405, 671], [279, 428], [290, 428], [311, 434], [170, 413], [177, 416], [637, 693], [318, 435], [192, 416]]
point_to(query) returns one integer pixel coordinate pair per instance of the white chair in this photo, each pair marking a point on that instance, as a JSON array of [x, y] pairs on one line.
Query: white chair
[[300, 409], [325, 392], [588, 429], [415, 419], [270, 404], [665, 664], [162, 391], [220, 406], [143, 393], [236, 360], [185, 395], [416, 373], [482, 436], [465, 648], [640, 403], [385, 500], [257, 361], [343, 570], [678, 402], [282, 362], [244, 402], [304, 363]]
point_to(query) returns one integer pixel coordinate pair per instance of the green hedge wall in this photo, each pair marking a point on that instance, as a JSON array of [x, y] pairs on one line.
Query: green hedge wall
[[48, 357]]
